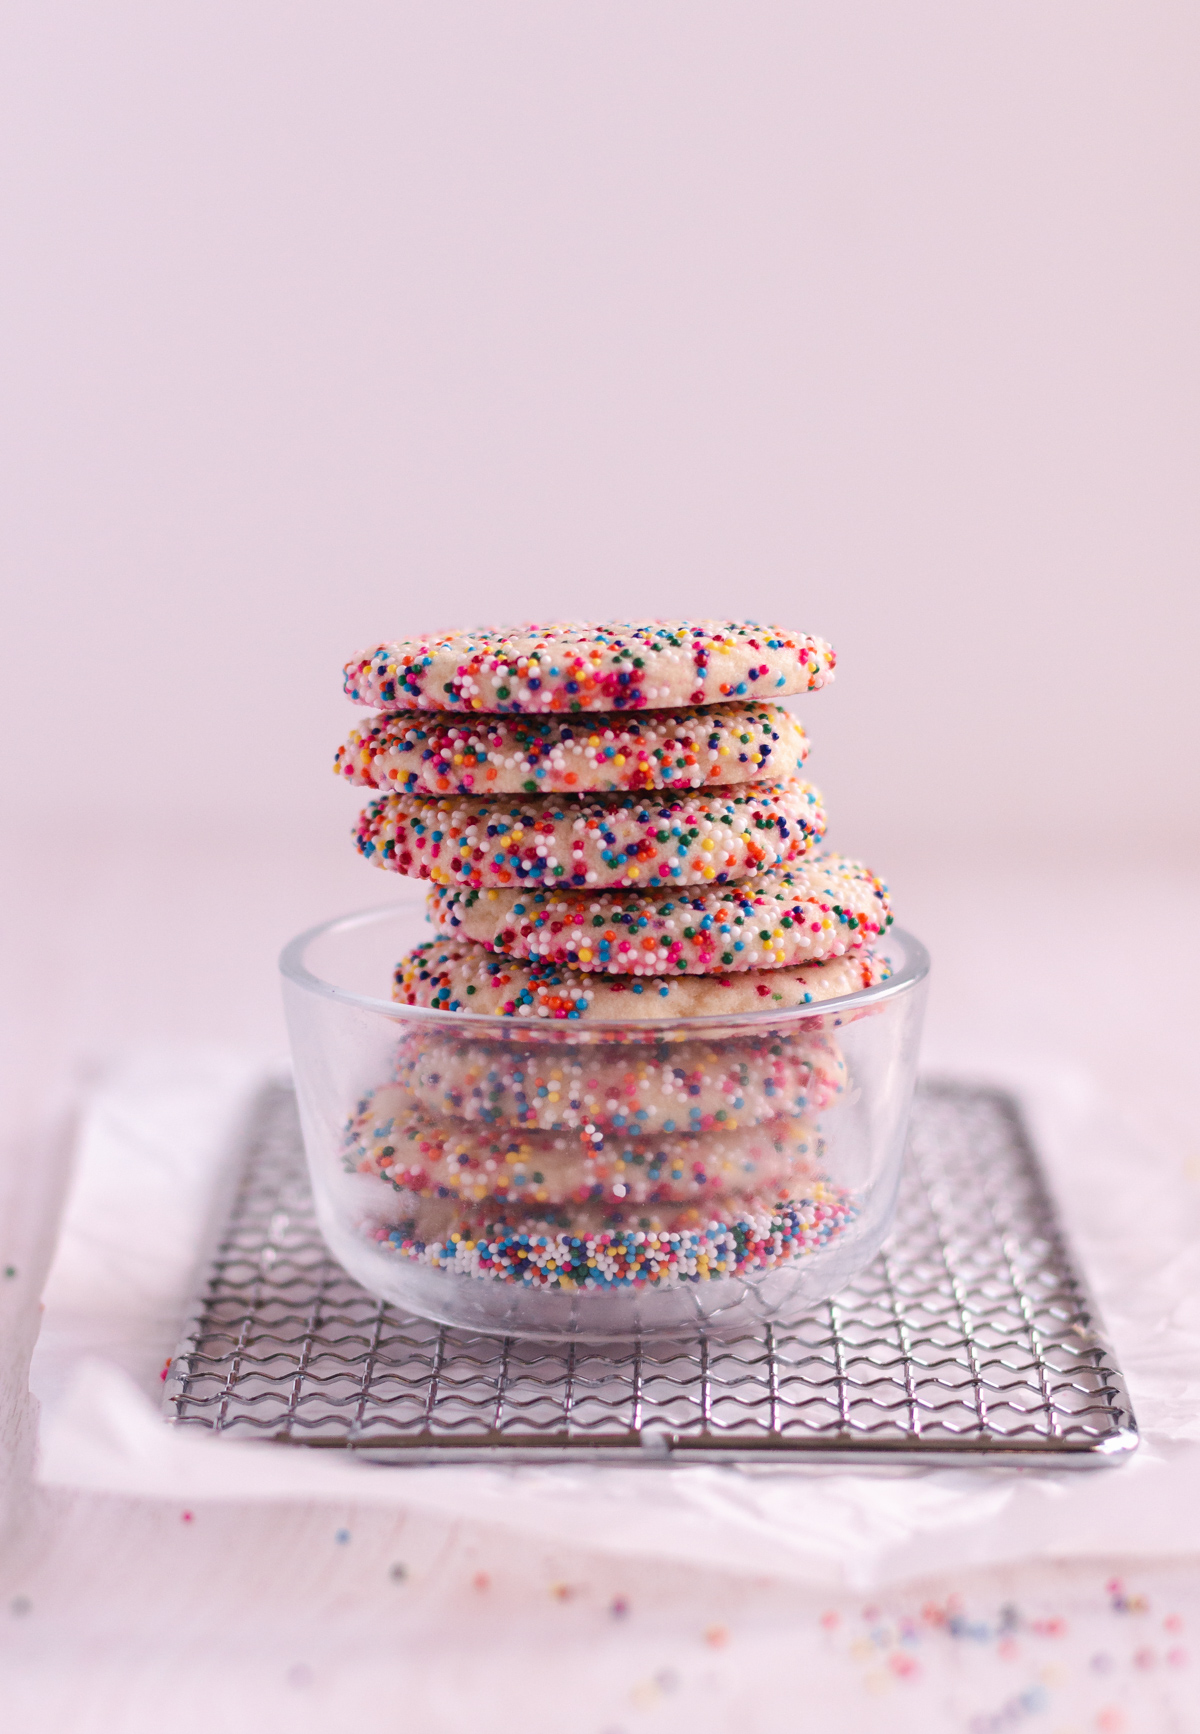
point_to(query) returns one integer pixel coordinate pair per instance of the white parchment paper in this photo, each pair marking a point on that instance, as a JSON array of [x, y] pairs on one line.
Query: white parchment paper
[[152, 1167]]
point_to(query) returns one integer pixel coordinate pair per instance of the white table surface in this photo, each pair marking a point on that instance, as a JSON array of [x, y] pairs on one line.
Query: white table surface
[[128, 1613]]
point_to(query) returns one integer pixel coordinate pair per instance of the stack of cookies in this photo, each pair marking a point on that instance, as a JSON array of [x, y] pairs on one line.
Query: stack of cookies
[[616, 826]]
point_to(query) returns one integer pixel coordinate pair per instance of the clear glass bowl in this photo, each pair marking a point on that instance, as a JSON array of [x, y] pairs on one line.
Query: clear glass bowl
[[594, 1179]]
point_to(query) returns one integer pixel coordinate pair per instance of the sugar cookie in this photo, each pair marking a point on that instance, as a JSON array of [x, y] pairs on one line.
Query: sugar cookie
[[607, 1246], [649, 1086], [804, 913], [395, 1137], [570, 665], [709, 836], [681, 750], [458, 975]]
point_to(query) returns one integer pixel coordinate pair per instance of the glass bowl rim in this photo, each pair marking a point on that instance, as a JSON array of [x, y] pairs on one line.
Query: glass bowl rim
[[293, 968]]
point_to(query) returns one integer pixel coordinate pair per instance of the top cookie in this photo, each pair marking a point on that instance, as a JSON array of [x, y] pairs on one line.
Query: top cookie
[[572, 666]]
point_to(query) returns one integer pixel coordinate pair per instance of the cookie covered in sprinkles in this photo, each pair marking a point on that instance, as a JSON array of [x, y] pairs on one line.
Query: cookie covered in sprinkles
[[807, 912], [573, 666], [457, 975], [604, 1246], [707, 836], [649, 1085], [687, 749], [431, 1155]]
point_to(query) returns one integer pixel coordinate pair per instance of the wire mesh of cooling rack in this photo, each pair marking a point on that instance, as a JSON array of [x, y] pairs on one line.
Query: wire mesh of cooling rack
[[971, 1336]]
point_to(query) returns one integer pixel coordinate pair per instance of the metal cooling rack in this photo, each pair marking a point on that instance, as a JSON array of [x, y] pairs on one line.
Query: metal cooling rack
[[970, 1337]]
